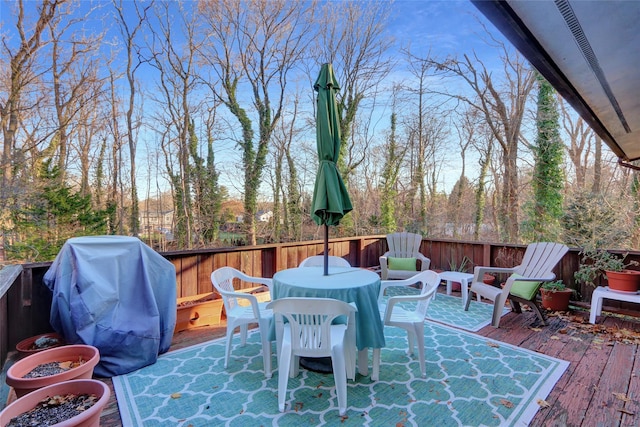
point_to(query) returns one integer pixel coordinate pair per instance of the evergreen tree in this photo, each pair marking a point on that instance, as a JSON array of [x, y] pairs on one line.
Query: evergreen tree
[[545, 211], [53, 215]]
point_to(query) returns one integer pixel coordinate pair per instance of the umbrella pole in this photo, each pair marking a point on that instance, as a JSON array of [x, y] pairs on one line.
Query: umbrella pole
[[326, 250]]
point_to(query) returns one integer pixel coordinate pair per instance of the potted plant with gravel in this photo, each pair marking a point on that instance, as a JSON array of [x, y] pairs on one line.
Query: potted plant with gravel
[[555, 295], [52, 366], [39, 343], [72, 403]]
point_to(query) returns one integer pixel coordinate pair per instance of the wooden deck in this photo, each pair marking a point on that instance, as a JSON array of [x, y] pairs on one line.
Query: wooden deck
[[600, 387]]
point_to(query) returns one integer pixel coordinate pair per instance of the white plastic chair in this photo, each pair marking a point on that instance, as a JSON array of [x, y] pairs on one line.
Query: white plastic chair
[[318, 261], [309, 332], [411, 320], [239, 315], [402, 245], [538, 261]]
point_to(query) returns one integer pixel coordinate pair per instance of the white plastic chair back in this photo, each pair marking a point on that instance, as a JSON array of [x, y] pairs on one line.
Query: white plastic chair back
[[241, 315], [309, 332], [222, 280], [403, 244], [318, 261], [411, 319], [420, 277]]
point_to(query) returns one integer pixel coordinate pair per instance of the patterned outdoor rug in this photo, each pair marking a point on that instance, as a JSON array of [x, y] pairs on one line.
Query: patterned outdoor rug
[[471, 381], [449, 310]]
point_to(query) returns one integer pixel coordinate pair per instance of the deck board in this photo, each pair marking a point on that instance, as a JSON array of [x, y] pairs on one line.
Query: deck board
[[631, 416], [605, 409], [598, 368]]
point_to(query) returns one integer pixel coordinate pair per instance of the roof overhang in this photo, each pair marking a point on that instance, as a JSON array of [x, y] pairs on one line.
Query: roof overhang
[[589, 51]]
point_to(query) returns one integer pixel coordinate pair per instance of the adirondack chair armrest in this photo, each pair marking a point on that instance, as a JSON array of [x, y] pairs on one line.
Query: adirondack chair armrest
[[424, 261], [546, 278], [480, 271]]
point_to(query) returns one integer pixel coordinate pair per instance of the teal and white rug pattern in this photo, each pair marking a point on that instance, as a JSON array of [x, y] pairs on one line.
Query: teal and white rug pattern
[[449, 309], [471, 381]]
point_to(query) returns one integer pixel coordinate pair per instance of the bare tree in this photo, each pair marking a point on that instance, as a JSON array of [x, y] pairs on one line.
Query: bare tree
[[24, 71], [115, 159], [179, 102], [129, 33], [254, 45], [208, 195], [353, 40], [459, 204], [287, 197], [92, 123], [581, 141], [502, 101], [75, 79], [417, 124], [425, 129]]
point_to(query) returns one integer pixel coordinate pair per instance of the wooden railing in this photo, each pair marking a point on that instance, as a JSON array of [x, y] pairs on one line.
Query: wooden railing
[[25, 302]]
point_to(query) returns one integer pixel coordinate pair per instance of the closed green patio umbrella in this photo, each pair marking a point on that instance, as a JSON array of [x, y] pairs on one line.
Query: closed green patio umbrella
[[330, 197]]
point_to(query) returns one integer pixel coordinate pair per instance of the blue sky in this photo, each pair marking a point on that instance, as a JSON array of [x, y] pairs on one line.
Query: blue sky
[[443, 27], [448, 27]]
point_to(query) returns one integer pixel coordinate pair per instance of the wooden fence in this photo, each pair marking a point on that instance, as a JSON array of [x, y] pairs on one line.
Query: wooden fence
[[25, 302]]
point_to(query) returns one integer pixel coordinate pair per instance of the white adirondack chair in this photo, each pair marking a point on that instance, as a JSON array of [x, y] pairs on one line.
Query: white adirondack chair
[[538, 261], [403, 245]]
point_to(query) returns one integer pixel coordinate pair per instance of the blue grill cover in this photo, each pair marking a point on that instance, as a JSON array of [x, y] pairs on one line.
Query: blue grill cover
[[117, 294]]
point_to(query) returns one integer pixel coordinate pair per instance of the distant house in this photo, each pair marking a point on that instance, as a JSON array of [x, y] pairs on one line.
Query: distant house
[[232, 210], [156, 221], [264, 216]]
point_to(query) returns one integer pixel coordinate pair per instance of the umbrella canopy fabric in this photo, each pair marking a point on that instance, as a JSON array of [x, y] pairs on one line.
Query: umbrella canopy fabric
[[330, 197]]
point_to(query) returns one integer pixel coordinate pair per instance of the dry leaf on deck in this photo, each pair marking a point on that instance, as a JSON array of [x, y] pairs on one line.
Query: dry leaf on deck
[[543, 403], [622, 396], [536, 329]]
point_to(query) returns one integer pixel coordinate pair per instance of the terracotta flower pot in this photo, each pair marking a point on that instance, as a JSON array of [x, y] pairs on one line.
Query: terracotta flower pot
[[556, 300], [88, 418], [488, 279], [68, 353], [39, 343], [623, 281]]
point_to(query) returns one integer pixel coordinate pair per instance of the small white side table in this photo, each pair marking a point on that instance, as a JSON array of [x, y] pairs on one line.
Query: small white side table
[[602, 292], [463, 278]]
